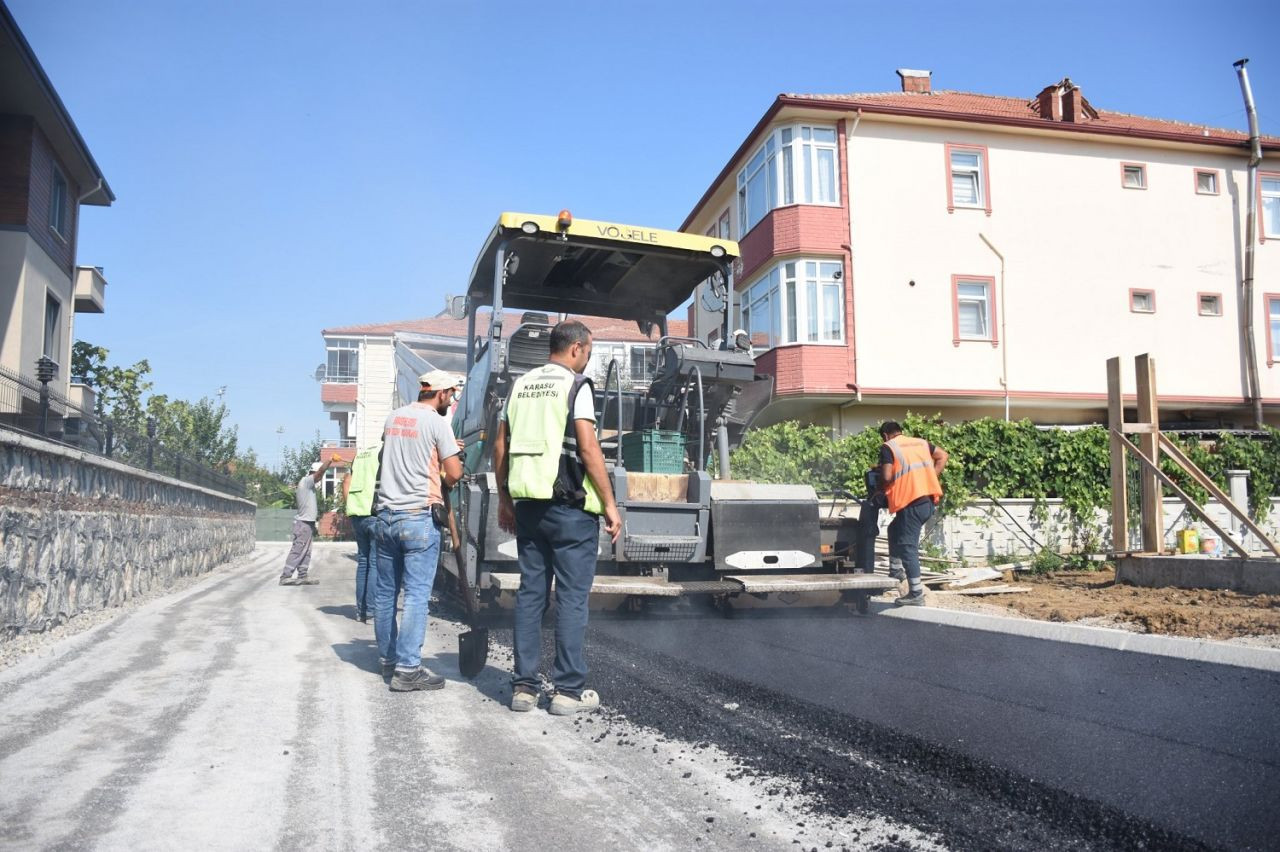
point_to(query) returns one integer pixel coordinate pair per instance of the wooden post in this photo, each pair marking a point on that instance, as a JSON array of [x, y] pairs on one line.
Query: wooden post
[[1119, 480], [1149, 442]]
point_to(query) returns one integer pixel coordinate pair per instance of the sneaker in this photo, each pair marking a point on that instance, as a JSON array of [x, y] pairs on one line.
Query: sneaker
[[522, 701], [896, 573], [419, 678], [910, 599], [306, 581], [567, 705], [288, 581]]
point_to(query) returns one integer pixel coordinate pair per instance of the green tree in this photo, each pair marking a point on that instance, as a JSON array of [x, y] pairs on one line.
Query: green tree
[[119, 390]]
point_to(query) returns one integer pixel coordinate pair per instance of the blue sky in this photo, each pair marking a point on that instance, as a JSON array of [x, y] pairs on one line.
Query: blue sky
[[282, 167]]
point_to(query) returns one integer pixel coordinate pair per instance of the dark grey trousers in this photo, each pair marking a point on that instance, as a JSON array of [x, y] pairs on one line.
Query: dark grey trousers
[[299, 558]]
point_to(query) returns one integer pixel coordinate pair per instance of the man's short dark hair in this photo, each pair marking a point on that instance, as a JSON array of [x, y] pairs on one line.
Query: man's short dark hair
[[425, 394], [568, 333], [889, 427]]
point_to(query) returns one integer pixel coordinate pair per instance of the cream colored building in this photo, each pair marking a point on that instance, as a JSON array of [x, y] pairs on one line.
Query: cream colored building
[[871, 279], [46, 174]]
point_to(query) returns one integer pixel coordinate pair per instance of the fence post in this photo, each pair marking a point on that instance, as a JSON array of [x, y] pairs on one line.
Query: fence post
[[151, 442], [111, 438]]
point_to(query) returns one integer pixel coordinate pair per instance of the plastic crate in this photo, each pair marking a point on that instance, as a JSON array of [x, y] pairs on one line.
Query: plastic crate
[[653, 451]]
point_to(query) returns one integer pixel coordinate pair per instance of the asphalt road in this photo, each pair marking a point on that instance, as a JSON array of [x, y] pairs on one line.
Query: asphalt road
[[238, 714], [1091, 736]]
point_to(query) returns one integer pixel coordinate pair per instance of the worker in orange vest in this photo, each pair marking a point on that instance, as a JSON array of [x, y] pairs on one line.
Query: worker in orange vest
[[909, 471]]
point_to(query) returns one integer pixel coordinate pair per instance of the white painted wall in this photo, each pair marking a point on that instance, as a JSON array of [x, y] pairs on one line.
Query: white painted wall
[[26, 275], [1074, 240], [376, 394]]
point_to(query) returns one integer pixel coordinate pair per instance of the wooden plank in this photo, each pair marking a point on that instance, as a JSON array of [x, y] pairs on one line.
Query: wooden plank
[[987, 590], [1191, 505], [1119, 482], [657, 487], [1140, 428], [1149, 412], [1175, 452]]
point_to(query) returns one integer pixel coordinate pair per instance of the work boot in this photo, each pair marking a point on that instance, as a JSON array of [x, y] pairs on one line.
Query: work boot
[[910, 599], [523, 700], [288, 581], [896, 571], [419, 678], [306, 581], [567, 705]]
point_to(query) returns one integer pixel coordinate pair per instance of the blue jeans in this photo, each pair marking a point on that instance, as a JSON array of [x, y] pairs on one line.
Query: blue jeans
[[904, 537], [366, 527], [408, 550], [559, 541]]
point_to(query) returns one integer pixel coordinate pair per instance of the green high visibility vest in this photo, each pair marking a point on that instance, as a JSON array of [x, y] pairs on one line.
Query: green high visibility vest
[[543, 461], [364, 481]]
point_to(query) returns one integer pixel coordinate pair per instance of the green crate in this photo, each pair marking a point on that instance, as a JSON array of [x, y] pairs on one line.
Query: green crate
[[653, 451]]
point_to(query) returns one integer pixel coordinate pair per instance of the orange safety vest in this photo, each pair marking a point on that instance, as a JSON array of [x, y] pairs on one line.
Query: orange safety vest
[[913, 475]]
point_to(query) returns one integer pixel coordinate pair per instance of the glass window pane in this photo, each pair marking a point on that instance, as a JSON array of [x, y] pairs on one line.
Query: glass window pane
[[775, 320], [832, 312], [806, 152], [788, 180], [786, 136], [1133, 176], [964, 188], [826, 175], [965, 159], [793, 332], [1142, 302], [972, 319], [755, 199], [1271, 215], [1271, 185], [824, 134], [1207, 181], [971, 289]]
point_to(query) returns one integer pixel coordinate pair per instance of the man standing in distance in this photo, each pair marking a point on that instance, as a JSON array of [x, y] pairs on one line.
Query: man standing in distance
[[304, 528], [358, 489], [418, 450], [552, 489], [909, 471]]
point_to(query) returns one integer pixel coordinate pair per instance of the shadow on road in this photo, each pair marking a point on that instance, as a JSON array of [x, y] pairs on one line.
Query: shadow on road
[[361, 653], [346, 611]]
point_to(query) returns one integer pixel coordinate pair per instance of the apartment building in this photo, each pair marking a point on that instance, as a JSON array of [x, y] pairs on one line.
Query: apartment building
[[370, 370], [969, 254], [46, 174]]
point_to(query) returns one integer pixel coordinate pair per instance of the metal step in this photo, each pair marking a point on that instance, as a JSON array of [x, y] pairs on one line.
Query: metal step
[[766, 583], [603, 585]]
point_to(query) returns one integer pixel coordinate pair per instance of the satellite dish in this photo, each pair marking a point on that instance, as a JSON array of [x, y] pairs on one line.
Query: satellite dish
[[319, 374]]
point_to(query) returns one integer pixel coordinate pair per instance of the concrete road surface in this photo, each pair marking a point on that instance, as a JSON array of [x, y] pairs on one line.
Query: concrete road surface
[[239, 714]]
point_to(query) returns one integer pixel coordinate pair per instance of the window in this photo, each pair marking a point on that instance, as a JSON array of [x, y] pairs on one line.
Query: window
[[343, 366], [968, 185], [974, 309], [1269, 189], [331, 485], [1273, 328], [796, 164], [52, 328], [58, 203], [1206, 182], [1209, 304], [797, 301], [1142, 301], [1133, 175], [644, 362]]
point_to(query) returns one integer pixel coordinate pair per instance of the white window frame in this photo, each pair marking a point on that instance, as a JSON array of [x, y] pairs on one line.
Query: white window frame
[[1216, 301], [1270, 224], [803, 299], [976, 174], [1145, 291], [788, 162], [337, 345], [986, 309], [52, 343], [1272, 301], [1140, 169], [59, 194], [1212, 174], [648, 356]]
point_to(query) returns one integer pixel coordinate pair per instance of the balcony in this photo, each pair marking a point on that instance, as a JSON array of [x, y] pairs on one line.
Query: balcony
[[90, 290]]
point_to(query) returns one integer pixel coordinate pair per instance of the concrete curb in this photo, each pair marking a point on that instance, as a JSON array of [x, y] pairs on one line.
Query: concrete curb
[[1198, 650]]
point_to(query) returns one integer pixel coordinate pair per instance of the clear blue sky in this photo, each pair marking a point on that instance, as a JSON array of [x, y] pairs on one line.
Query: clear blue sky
[[282, 167]]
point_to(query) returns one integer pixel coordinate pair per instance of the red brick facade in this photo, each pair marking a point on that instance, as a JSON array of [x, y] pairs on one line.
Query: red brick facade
[[796, 229], [799, 369], [336, 392]]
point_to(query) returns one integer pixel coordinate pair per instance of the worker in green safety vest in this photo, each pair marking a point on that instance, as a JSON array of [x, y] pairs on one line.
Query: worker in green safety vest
[[552, 490], [358, 490]]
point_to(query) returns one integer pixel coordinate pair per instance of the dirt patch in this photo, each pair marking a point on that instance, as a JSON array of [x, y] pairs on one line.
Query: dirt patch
[[1093, 597]]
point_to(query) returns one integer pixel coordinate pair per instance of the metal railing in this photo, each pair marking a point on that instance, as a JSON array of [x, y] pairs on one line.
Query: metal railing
[[74, 427]]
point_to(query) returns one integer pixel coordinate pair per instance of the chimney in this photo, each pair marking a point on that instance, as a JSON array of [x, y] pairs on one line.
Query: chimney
[[1050, 102], [1073, 104], [915, 81]]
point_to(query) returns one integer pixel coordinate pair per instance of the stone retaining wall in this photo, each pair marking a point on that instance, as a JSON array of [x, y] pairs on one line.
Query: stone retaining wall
[[81, 533], [985, 529]]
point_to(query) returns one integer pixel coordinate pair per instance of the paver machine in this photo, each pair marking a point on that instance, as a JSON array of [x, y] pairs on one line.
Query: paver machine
[[690, 531]]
